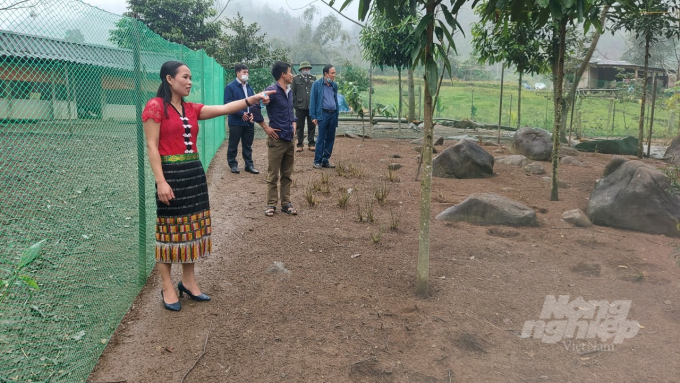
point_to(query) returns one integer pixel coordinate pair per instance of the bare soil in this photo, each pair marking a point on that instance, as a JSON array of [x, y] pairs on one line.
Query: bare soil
[[347, 311]]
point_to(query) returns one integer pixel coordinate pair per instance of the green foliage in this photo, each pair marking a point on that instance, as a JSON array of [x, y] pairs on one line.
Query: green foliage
[[353, 98], [243, 44], [319, 41], [673, 174], [180, 21], [388, 45], [647, 18], [74, 36], [353, 74], [27, 258]]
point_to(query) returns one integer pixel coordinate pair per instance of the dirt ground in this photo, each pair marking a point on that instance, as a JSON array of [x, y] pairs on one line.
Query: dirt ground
[[346, 311]]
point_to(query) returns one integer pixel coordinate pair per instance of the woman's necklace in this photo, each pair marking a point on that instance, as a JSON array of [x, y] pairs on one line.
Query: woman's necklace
[[187, 129]]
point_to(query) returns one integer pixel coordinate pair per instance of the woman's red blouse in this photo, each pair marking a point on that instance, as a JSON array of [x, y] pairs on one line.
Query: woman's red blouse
[[176, 136]]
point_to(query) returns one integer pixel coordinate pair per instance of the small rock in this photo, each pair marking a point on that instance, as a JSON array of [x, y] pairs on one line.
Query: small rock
[[498, 151], [489, 143], [568, 151], [396, 156], [394, 166], [667, 302], [577, 217], [277, 268], [534, 168], [569, 160], [516, 160], [436, 140]]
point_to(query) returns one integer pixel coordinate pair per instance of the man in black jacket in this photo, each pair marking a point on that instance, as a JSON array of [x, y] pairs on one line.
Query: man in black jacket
[[302, 85]]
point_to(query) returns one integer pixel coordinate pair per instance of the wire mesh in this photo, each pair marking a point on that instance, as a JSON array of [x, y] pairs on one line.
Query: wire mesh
[[74, 172]]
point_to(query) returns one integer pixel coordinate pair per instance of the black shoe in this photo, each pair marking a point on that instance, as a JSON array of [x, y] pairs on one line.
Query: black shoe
[[234, 169], [171, 306], [327, 165], [251, 169], [183, 290]]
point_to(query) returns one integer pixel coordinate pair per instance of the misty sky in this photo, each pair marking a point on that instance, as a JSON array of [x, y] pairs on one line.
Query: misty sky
[[294, 7]]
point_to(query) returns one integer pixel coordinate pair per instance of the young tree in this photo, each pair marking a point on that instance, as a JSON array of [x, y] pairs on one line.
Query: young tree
[[557, 15], [425, 51], [517, 44], [180, 21], [650, 20], [389, 45], [74, 36]]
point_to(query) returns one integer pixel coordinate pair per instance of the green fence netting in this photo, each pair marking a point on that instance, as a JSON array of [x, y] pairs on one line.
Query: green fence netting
[[74, 174]]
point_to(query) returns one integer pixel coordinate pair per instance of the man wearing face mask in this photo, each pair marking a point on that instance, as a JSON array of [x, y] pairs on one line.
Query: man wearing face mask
[[302, 86], [241, 127], [323, 107]]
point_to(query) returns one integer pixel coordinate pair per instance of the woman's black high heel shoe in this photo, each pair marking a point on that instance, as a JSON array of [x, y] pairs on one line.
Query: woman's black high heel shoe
[[182, 290], [171, 306]]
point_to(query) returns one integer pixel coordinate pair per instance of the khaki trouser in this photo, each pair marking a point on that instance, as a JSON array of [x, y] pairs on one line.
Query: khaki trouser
[[281, 160]]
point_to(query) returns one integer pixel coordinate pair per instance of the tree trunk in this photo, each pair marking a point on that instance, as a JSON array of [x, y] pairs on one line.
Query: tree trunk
[[411, 96], [559, 104], [519, 101], [500, 108], [651, 116], [400, 102], [579, 73], [426, 182], [641, 124], [370, 96]]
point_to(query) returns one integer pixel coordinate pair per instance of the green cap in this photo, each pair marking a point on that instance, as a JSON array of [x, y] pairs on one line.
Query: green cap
[[305, 64]]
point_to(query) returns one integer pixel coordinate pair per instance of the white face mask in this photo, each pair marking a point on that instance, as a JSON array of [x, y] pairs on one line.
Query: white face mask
[[306, 72], [244, 78]]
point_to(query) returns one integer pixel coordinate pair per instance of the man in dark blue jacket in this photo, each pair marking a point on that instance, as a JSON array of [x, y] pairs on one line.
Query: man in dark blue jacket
[[323, 107], [241, 127], [280, 139]]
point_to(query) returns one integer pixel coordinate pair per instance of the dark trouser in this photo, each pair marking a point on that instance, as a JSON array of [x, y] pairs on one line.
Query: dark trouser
[[244, 134], [302, 115], [327, 126], [281, 160]]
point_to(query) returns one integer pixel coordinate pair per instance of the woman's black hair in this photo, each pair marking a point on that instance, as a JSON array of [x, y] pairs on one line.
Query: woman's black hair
[[164, 91]]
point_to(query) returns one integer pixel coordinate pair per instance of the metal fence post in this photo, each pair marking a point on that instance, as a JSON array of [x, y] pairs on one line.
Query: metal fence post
[[141, 182]]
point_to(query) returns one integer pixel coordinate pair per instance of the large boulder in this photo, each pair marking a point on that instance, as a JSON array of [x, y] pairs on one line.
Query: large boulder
[[532, 143], [633, 196], [672, 154], [465, 159], [626, 146], [490, 209]]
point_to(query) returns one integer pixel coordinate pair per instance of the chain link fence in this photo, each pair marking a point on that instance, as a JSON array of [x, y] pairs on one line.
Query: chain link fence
[[74, 174]]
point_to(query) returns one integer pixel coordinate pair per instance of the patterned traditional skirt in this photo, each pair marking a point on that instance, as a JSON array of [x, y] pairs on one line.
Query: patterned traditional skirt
[[183, 227]]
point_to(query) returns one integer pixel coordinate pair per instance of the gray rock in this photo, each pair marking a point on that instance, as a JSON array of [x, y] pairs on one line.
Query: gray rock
[[614, 164], [396, 156], [490, 143], [672, 154], [277, 268], [515, 160], [436, 140], [421, 126], [490, 209], [627, 146], [633, 196], [413, 126], [568, 151], [534, 168], [533, 143], [569, 160], [463, 160], [499, 151], [394, 166], [577, 217]]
